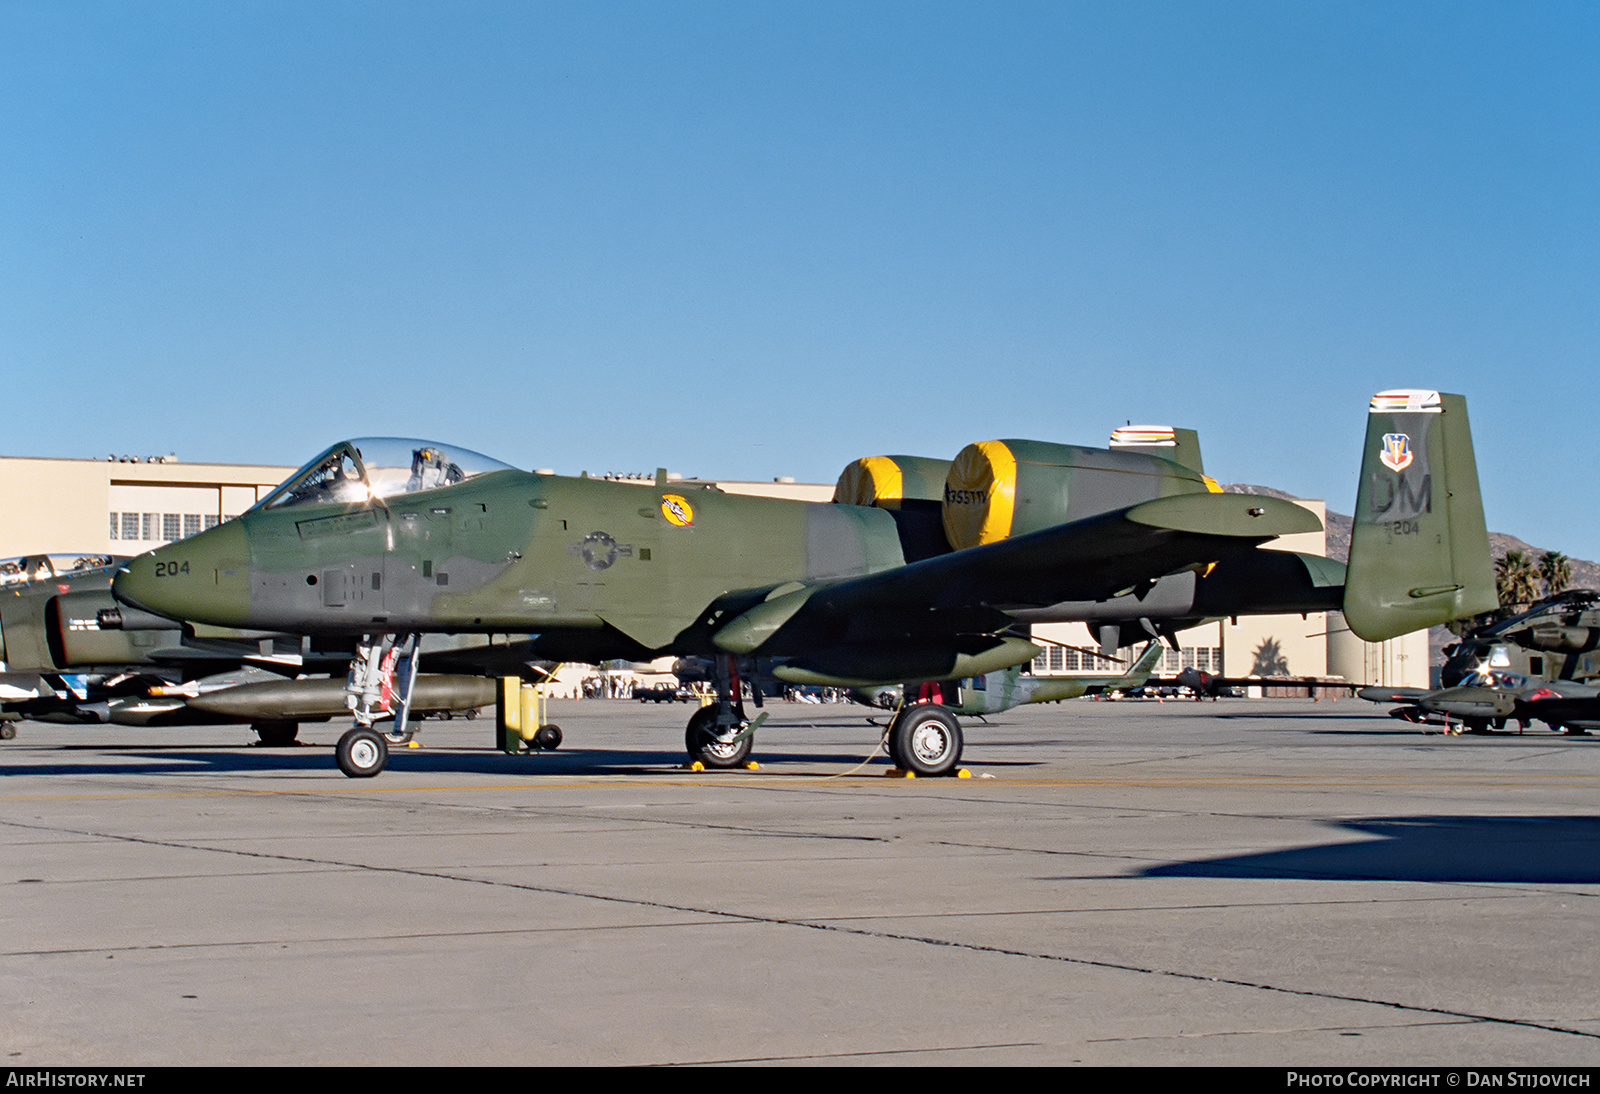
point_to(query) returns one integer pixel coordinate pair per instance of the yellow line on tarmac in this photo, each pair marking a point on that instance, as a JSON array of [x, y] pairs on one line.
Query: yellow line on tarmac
[[623, 782], [575, 781]]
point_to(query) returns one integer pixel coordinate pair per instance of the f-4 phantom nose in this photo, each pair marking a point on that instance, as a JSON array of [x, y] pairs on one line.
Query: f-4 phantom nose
[[202, 579]]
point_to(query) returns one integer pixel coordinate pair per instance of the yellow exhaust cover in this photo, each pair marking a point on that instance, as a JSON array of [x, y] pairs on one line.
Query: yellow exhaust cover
[[980, 495]]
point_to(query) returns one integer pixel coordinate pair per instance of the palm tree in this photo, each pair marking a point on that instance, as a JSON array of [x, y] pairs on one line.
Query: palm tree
[[1516, 579], [1269, 660], [1555, 571]]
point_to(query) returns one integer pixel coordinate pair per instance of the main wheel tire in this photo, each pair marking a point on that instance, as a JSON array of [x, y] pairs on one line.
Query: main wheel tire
[[8, 732], [926, 739], [547, 738], [701, 741], [362, 753], [276, 734]]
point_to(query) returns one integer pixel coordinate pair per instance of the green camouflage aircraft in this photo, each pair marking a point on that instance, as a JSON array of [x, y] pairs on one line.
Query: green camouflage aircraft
[[919, 571], [1540, 664], [997, 692], [68, 653]]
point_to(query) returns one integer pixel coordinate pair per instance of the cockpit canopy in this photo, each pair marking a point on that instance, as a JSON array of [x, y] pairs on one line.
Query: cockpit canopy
[[368, 468], [30, 568]]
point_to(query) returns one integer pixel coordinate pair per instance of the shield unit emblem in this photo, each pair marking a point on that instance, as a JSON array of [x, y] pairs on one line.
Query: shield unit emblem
[[1396, 454]]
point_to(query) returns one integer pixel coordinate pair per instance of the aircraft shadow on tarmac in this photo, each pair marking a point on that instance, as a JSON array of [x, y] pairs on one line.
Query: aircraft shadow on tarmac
[[314, 760], [1531, 850]]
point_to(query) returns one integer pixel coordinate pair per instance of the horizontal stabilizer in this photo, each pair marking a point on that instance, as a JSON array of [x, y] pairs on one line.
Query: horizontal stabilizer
[[1246, 515]]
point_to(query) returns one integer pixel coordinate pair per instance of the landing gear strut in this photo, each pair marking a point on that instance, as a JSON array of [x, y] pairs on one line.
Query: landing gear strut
[[383, 674]]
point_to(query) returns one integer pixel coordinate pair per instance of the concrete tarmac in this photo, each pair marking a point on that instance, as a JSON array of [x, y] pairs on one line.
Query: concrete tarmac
[[1235, 882]]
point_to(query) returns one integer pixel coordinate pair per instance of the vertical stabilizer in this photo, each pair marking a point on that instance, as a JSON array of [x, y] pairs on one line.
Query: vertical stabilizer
[[1419, 548], [1181, 446]]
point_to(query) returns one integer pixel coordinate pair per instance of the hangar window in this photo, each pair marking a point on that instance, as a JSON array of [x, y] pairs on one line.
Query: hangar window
[[130, 526], [114, 525], [191, 524], [171, 526]]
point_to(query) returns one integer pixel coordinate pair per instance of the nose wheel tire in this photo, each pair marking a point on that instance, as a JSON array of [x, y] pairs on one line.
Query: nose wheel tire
[[925, 739], [362, 753], [703, 744]]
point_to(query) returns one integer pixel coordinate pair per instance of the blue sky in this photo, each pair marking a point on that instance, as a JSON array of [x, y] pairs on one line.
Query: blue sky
[[755, 239]]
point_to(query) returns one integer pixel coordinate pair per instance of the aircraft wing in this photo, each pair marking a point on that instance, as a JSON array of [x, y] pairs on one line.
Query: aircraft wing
[[1090, 559]]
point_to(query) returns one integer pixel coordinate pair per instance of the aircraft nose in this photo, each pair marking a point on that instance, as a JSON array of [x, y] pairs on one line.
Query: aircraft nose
[[202, 579]]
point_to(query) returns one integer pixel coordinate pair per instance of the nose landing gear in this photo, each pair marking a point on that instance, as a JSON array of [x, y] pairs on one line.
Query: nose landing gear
[[362, 752], [383, 675]]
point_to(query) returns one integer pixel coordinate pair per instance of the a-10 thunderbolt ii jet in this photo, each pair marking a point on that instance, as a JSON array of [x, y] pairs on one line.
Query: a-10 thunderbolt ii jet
[[918, 572], [69, 654], [1540, 664]]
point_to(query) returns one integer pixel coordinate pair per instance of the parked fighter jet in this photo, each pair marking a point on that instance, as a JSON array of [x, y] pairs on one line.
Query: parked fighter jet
[[1565, 705], [69, 653], [375, 538], [1536, 665], [997, 692]]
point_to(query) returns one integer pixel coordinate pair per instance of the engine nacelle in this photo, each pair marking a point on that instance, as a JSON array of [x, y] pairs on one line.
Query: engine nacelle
[[886, 481], [998, 489]]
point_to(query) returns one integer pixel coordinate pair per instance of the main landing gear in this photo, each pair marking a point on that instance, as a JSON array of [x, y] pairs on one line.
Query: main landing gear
[[925, 739], [719, 735]]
